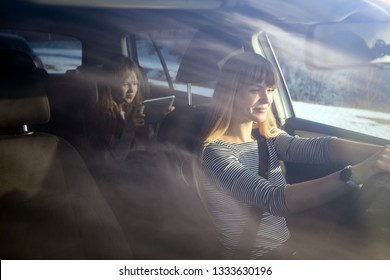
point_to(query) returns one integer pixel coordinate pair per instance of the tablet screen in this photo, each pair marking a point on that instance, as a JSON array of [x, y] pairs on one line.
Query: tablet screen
[[155, 109]]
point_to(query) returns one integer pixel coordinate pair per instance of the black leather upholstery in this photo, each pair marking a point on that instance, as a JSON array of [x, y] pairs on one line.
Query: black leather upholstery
[[183, 127]]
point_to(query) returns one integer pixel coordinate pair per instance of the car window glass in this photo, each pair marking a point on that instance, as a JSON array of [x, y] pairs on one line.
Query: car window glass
[[150, 62], [171, 47], [57, 53], [356, 99]]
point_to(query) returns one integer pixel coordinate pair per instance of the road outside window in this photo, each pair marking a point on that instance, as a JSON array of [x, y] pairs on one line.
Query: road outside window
[[356, 99]]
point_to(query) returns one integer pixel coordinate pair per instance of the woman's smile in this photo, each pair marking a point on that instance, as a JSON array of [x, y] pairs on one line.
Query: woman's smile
[[259, 109]]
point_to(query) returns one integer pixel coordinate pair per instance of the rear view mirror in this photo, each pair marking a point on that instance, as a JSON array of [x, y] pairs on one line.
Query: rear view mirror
[[349, 44]]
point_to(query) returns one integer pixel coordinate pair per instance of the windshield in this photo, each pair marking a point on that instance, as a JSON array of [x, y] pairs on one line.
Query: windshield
[[356, 98]]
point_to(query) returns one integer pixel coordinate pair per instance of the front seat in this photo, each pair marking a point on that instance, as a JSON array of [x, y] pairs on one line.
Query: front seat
[[50, 206], [207, 52]]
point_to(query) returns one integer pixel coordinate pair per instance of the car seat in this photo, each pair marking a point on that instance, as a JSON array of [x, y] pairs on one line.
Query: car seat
[[201, 63], [50, 206]]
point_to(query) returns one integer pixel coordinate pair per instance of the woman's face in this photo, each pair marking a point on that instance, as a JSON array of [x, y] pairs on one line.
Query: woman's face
[[127, 89], [252, 103]]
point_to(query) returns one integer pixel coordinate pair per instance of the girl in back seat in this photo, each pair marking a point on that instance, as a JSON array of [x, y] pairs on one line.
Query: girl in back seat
[[118, 125]]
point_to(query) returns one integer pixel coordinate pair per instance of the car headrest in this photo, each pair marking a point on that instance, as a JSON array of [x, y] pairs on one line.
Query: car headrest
[[183, 127], [205, 55], [23, 97]]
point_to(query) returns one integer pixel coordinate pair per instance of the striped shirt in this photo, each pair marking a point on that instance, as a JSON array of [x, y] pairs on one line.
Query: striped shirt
[[232, 185]]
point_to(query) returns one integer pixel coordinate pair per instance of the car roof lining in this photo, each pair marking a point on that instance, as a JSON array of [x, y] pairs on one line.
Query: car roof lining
[[139, 4], [237, 17]]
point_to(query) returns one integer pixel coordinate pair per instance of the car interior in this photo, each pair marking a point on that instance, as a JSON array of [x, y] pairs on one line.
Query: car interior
[[57, 201], [48, 195]]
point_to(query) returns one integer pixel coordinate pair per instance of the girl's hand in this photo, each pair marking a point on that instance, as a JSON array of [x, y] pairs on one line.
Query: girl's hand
[[138, 119], [135, 119]]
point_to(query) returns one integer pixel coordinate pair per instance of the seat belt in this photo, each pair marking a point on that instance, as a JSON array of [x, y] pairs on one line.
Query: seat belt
[[248, 236]]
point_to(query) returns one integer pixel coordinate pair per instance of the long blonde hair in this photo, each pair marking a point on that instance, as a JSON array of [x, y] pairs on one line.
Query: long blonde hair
[[239, 70]]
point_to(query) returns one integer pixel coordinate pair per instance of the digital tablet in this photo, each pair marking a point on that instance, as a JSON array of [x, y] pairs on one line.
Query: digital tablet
[[155, 109]]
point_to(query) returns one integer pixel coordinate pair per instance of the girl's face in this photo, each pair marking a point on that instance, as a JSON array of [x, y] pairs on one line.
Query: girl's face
[[252, 103], [127, 90]]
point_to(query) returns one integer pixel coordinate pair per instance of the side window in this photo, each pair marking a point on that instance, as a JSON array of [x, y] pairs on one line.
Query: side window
[[150, 62], [55, 53], [166, 48], [59, 53], [351, 98]]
